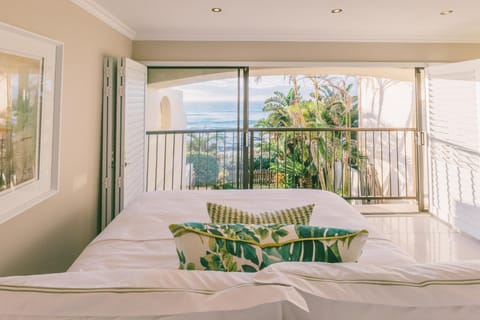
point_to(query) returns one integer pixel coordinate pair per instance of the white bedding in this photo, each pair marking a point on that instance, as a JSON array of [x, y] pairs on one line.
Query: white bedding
[[440, 291], [300, 291], [139, 237], [129, 272], [146, 294]]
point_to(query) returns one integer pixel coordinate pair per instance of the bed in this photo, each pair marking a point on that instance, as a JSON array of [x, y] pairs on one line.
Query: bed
[[130, 271], [139, 238]]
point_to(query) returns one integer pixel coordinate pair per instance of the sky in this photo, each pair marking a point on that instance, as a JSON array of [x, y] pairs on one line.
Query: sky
[[261, 88]]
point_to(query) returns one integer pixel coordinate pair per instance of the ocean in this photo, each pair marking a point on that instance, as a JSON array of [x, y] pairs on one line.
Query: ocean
[[219, 114]]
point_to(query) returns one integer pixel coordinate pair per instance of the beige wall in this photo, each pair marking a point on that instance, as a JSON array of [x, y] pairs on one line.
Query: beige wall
[[48, 237], [302, 51]]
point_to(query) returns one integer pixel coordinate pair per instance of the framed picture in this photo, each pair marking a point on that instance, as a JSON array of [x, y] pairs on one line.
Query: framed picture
[[30, 94]]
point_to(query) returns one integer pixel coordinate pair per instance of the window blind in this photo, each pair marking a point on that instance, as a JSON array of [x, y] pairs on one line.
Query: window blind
[[454, 144]]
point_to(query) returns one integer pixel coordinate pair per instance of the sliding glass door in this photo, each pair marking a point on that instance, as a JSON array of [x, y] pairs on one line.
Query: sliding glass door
[[347, 130]]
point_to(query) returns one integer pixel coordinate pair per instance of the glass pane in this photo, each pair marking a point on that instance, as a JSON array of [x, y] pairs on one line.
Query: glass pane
[[325, 97], [193, 121], [346, 130], [20, 102], [207, 98]]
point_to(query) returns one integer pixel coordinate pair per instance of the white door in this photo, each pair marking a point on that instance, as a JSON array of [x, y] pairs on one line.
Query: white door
[[453, 120], [131, 83]]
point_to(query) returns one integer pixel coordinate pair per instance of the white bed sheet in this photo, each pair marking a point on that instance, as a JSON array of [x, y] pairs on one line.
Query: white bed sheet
[[147, 295], [300, 291], [440, 291], [139, 237]]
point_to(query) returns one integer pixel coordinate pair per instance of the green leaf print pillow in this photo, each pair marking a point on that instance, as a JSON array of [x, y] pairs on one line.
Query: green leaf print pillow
[[223, 214], [252, 247]]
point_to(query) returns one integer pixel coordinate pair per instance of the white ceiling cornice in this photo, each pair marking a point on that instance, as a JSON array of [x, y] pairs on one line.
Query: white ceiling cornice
[[298, 38], [103, 15]]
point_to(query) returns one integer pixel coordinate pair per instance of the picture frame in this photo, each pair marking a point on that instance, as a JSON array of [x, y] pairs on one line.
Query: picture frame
[[30, 99]]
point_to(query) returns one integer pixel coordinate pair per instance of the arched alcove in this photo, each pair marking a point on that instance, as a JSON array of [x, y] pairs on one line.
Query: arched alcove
[[165, 114]]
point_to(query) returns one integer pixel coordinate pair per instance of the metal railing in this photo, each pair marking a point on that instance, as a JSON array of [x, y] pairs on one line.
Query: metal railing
[[194, 159], [356, 163]]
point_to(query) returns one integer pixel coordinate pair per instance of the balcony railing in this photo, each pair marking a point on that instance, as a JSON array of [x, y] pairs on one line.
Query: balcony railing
[[356, 163]]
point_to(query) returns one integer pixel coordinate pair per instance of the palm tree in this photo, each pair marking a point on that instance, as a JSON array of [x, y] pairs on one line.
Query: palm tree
[[339, 103], [340, 111], [302, 156], [277, 106]]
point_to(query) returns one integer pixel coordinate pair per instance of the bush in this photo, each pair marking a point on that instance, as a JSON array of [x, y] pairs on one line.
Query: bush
[[205, 169], [263, 163]]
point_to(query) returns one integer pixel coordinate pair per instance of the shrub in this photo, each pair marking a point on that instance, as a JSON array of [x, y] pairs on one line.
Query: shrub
[[205, 168]]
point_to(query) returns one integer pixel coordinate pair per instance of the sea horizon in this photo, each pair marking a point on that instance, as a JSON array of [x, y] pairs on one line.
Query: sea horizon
[[219, 114]]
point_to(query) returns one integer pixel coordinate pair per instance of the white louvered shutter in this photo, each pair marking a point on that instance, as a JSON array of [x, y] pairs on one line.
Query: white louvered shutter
[[454, 144], [132, 94]]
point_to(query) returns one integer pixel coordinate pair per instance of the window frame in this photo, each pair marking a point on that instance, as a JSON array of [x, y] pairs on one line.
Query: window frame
[[17, 41]]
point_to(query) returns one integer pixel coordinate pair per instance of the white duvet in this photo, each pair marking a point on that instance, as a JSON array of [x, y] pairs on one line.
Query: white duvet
[[139, 237]]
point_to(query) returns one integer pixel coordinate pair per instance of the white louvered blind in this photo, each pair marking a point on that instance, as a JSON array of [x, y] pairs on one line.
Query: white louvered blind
[[134, 90], [454, 144]]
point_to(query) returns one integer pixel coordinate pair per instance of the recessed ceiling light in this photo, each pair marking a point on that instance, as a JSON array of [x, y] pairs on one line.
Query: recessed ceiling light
[[446, 12], [337, 10], [216, 10]]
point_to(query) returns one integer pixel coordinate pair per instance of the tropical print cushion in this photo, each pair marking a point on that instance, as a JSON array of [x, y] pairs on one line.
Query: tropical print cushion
[[250, 247], [222, 214]]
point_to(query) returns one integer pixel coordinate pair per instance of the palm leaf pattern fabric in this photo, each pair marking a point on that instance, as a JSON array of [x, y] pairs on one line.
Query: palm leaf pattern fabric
[[252, 247]]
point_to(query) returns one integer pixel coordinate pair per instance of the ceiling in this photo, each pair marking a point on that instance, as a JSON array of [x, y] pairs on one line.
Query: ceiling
[[299, 20]]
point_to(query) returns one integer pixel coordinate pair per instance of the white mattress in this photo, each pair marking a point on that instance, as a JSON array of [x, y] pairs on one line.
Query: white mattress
[[139, 237]]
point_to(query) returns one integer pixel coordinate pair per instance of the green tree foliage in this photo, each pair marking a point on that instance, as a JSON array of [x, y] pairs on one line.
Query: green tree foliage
[[332, 104], [277, 107], [308, 159]]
